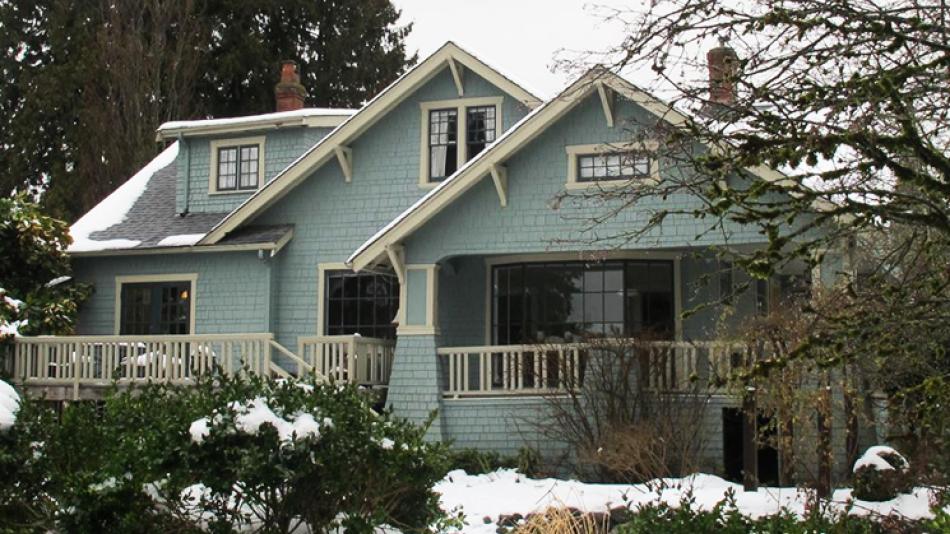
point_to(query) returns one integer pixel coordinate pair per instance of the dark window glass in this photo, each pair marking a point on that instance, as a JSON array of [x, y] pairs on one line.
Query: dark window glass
[[726, 282], [156, 308], [612, 166], [443, 143], [238, 167], [570, 300], [479, 129], [762, 297], [364, 304]]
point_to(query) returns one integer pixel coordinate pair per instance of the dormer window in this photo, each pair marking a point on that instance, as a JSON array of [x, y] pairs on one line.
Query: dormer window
[[237, 165], [455, 131]]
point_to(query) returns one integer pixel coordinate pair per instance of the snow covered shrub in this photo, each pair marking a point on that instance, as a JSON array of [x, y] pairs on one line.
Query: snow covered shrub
[[233, 454], [881, 474], [280, 454]]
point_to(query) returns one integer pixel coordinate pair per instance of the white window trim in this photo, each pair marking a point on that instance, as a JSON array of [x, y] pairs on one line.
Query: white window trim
[[459, 104], [322, 270], [121, 280], [226, 143], [574, 151]]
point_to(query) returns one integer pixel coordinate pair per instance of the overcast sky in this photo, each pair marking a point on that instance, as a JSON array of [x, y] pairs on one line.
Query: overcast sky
[[519, 37]]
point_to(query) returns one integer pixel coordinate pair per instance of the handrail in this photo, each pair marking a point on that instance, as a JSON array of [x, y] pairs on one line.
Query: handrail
[[557, 367]]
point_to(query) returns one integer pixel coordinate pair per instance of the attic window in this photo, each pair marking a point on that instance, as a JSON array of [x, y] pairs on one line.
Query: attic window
[[453, 132], [607, 165], [237, 165]]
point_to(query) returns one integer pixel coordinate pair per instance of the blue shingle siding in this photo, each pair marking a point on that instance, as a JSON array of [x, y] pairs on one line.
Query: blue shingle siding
[[232, 294], [281, 147], [477, 224], [333, 217], [414, 391], [500, 425]]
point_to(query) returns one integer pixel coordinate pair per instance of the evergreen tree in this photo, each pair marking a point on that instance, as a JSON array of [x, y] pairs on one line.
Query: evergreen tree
[[86, 84]]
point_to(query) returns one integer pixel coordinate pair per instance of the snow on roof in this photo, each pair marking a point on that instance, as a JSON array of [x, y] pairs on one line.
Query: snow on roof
[[182, 240], [115, 207], [254, 119]]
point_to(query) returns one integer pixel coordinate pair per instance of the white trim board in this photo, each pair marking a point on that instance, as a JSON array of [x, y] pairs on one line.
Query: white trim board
[[354, 126], [526, 130]]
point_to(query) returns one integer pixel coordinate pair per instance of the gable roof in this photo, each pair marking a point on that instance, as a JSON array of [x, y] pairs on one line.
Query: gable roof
[[506, 145], [148, 223], [523, 132], [326, 149]]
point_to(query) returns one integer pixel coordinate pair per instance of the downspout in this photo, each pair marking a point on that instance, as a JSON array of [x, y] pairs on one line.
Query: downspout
[[187, 192]]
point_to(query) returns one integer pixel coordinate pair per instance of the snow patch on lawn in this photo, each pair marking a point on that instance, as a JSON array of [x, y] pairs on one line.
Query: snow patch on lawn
[[183, 240], [506, 492], [9, 406], [115, 207]]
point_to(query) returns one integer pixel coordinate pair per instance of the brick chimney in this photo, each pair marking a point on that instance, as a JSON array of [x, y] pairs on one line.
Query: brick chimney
[[723, 68], [289, 92]]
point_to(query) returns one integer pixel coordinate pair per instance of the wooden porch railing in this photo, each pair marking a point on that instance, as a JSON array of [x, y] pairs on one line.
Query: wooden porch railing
[[99, 360], [353, 358], [552, 368]]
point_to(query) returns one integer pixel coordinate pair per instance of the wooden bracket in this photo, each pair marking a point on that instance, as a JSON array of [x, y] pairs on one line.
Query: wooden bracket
[[345, 156], [397, 257], [499, 175], [457, 76], [607, 101]]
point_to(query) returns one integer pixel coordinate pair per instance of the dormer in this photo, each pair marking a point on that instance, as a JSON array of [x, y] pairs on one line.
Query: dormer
[[224, 161]]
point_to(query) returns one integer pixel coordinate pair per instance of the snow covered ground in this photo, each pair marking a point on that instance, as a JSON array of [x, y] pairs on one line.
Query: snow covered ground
[[505, 492]]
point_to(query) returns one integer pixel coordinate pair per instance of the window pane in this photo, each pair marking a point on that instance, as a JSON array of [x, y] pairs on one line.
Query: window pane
[[479, 128], [227, 168], [612, 166], [443, 149]]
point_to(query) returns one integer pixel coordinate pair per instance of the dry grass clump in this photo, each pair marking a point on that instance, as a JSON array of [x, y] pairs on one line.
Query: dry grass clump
[[564, 521]]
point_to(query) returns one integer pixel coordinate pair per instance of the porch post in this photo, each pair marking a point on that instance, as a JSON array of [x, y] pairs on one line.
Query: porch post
[[414, 387]]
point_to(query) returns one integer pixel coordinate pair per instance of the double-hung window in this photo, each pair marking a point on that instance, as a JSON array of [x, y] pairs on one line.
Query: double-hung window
[[237, 165], [455, 131]]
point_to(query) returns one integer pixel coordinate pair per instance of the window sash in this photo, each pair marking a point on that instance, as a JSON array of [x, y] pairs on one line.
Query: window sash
[[443, 143], [613, 166], [534, 302], [238, 168], [480, 128], [360, 303]]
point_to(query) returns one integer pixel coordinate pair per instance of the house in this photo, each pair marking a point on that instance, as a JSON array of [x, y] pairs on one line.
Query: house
[[412, 245]]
